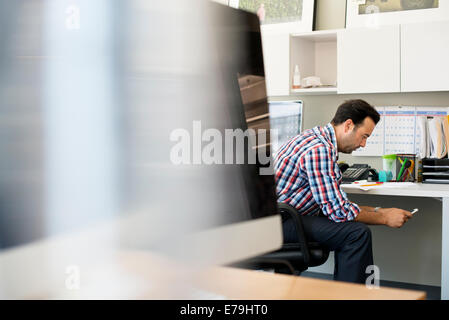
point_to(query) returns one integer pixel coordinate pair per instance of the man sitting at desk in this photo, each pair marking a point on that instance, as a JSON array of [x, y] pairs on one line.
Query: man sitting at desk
[[308, 178]]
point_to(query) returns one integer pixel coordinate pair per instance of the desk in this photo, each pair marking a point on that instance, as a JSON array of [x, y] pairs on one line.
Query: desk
[[240, 284], [423, 190], [110, 273], [248, 284]]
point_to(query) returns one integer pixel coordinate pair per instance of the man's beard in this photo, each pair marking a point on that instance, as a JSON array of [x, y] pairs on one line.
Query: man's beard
[[349, 150]]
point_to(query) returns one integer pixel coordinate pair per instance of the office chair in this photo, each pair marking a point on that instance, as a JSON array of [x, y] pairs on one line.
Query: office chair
[[292, 258]]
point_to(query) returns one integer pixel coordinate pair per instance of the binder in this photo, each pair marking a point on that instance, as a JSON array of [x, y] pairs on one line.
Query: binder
[[423, 151], [438, 134]]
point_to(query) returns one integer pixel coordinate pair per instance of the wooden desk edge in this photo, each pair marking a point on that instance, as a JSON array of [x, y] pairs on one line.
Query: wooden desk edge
[[250, 284]]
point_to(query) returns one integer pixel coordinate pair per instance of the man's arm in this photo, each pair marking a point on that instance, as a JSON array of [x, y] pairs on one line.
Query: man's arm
[[392, 217], [334, 203]]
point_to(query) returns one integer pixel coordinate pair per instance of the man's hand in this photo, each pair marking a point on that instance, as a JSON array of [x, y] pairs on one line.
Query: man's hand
[[395, 217], [392, 217]]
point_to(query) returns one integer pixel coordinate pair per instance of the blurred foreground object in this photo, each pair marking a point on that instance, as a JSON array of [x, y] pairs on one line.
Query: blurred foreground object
[[90, 93]]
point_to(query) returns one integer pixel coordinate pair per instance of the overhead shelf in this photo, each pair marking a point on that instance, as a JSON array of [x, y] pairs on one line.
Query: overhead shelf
[[318, 36], [315, 91]]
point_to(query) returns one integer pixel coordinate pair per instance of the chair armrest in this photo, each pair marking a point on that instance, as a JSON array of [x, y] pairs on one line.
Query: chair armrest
[[289, 212]]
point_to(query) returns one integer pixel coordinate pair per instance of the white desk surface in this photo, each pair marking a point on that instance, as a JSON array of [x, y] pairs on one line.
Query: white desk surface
[[422, 190], [416, 190]]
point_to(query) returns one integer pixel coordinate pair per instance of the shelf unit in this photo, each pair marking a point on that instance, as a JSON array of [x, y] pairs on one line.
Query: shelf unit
[[387, 59], [316, 55]]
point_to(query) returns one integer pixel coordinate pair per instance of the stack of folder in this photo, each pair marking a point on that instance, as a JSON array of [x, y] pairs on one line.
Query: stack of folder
[[434, 137], [434, 142]]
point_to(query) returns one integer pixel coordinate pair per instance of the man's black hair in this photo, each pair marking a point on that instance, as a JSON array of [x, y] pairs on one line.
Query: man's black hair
[[357, 111]]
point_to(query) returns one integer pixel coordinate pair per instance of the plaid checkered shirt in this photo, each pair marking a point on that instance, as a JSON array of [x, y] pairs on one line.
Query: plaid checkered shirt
[[308, 176]]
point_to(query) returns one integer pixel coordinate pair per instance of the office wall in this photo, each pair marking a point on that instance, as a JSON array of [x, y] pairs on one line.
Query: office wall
[[413, 253]]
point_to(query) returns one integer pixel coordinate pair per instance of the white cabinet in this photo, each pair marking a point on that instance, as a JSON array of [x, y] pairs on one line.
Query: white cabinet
[[425, 57], [368, 60], [393, 58], [276, 49]]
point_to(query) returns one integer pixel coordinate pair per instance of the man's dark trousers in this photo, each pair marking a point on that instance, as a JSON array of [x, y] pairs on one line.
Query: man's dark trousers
[[350, 241]]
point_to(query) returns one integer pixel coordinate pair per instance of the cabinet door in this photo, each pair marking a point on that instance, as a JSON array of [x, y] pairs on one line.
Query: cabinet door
[[368, 60], [276, 52], [425, 56]]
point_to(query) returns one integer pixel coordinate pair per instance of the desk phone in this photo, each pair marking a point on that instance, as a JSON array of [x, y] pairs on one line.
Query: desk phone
[[357, 172]]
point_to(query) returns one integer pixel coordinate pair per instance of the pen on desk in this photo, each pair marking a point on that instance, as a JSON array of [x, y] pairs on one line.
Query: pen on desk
[[371, 184]]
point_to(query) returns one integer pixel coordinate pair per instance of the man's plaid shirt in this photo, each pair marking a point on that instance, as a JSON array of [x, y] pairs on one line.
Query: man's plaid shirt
[[308, 176]]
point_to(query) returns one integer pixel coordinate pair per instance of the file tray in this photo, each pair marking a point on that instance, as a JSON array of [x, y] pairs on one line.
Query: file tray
[[435, 170]]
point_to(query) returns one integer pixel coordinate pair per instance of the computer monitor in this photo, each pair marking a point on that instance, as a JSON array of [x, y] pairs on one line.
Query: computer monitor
[[237, 189], [94, 112], [286, 119], [250, 222]]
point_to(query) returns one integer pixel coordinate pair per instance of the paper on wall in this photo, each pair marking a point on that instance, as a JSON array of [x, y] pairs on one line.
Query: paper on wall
[[399, 129], [405, 129]]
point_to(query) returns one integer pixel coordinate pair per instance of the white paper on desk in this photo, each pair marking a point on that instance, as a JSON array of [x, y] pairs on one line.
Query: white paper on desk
[[385, 185]]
